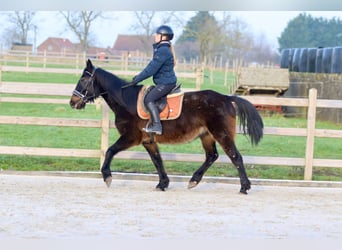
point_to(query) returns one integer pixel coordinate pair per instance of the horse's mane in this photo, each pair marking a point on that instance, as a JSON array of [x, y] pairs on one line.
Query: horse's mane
[[112, 84]]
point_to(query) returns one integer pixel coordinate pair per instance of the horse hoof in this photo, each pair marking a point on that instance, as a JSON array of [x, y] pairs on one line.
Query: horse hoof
[[108, 181], [160, 187], [243, 191], [192, 184]]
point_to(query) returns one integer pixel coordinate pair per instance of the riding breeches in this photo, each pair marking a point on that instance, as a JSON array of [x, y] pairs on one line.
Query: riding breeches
[[158, 92]]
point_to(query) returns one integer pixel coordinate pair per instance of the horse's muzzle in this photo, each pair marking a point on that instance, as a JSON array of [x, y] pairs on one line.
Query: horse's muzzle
[[77, 102]]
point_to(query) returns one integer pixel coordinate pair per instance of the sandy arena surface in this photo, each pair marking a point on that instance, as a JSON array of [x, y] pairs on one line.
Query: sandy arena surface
[[47, 207]]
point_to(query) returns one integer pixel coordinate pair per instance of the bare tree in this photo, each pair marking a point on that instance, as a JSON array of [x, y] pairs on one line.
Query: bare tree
[[144, 22], [262, 52], [214, 36], [79, 22], [147, 21], [22, 22], [209, 38], [238, 41]]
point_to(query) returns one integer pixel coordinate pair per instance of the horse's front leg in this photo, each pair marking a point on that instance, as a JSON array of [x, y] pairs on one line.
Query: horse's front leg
[[121, 144], [153, 151]]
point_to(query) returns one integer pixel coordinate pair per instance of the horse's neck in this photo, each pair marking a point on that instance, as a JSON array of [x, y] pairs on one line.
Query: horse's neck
[[112, 104], [118, 99], [111, 85]]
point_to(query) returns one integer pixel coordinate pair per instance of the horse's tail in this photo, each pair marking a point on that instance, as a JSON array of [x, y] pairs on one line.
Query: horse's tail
[[249, 118]]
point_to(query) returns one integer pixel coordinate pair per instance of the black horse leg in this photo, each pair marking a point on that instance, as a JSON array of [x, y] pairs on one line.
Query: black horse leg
[[211, 156], [237, 160], [121, 144], [153, 151]]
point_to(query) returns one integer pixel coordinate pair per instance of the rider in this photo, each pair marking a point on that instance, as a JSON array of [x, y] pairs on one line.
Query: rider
[[161, 67]]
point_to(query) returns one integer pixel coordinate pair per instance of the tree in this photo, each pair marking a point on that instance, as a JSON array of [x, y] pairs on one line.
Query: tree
[[144, 27], [261, 51], [216, 36], [22, 22], [79, 22], [146, 24], [238, 41], [306, 31], [203, 31]]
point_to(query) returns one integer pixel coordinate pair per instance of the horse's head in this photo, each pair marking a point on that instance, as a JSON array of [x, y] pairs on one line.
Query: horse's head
[[85, 90]]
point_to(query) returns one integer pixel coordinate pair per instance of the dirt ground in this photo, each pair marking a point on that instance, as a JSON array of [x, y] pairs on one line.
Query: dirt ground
[[47, 207]]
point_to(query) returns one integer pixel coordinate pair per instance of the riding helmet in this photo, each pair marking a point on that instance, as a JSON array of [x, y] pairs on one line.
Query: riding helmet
[[166, 31]]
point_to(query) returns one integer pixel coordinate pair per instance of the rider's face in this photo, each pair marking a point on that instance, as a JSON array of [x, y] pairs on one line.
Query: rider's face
[[157, 38]]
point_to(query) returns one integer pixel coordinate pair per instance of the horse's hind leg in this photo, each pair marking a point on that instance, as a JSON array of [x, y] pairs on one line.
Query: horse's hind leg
[[153, 151], [211, 156], [236, 158]]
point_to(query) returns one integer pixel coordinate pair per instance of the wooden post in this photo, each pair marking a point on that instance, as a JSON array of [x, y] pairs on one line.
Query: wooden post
[[199, 77], [27, 60], [122, 62], [84, 56], [126, 62], [0, 83], [77, 60], [226, 74], [44, 59], [105, 131], [310, 137], [212, 68]]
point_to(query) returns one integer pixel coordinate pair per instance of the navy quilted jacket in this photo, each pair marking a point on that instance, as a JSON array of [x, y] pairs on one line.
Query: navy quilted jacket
[[161, 67]]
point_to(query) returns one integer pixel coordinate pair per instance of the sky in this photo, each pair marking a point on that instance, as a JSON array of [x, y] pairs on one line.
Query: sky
[[269, 23], [272, 23], [268, 17]]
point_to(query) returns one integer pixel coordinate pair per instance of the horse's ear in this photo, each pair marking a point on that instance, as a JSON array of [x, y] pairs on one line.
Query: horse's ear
[[89, 64]]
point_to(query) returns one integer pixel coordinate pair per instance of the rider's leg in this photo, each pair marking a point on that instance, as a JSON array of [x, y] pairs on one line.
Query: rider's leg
[[156, 93]]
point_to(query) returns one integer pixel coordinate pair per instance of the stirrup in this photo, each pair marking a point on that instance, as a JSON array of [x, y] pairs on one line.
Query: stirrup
[[151, 129]]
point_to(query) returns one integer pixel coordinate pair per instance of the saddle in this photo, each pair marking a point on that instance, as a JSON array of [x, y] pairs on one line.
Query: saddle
[[170, 106]]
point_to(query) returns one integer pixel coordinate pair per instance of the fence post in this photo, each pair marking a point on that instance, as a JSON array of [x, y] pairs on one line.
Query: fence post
[[77, 60], [226, 73], [105, 131], [310, 137], [126, 56], [0, 82], [84, 56], [199, 76], [27, 60]]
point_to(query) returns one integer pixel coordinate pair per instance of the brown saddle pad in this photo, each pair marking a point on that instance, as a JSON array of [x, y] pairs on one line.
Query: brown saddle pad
[[171, 111]]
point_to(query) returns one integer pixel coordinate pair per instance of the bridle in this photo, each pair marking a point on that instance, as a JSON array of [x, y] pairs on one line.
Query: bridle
[[90, 83]]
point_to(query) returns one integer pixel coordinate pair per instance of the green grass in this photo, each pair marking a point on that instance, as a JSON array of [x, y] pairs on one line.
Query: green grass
[[68, 137], [39, 77]]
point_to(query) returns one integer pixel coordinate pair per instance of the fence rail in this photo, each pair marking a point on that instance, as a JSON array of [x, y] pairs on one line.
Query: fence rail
[[197, 75], [105, 124]]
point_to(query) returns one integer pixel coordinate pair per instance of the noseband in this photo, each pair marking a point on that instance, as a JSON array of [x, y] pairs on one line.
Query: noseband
[[83, 97]]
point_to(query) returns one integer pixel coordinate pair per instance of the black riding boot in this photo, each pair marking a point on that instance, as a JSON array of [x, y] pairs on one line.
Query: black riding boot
[[156, 126]]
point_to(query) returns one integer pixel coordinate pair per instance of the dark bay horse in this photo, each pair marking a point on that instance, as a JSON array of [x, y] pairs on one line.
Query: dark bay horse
[[207, 115]]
